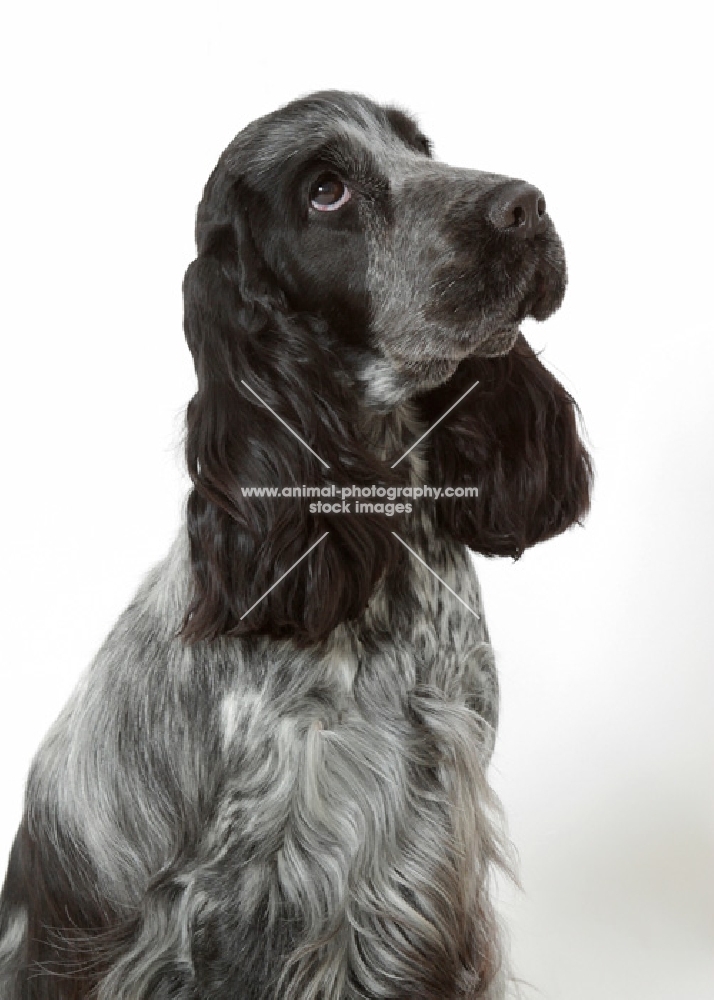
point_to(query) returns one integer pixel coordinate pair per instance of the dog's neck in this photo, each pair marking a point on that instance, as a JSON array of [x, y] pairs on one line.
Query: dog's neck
[[390, 434]]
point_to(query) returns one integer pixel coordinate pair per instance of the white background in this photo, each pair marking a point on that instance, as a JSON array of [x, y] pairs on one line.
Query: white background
[[115, 115]]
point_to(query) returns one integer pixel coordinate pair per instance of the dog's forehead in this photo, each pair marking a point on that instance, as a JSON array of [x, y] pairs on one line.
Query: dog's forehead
[[307, 126]]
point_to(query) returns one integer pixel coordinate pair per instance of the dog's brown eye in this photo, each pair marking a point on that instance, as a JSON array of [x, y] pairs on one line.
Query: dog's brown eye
[[329, 193]]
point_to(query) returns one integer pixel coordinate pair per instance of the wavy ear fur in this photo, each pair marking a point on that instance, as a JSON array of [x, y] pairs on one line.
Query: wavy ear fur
[[515, 437], [239, 329]]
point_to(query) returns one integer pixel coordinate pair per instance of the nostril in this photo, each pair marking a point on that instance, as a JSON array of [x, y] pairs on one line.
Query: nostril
[[518, 209]]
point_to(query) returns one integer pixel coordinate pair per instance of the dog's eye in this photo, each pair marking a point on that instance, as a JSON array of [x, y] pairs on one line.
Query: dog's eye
[[329, 193]]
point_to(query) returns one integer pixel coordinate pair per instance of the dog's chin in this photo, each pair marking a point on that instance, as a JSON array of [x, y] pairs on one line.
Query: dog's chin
[[493, 343], [389, 381], [496, 344], [428, 373]]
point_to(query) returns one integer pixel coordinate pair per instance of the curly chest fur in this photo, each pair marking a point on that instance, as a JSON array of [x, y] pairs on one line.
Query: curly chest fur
[[357, 809]]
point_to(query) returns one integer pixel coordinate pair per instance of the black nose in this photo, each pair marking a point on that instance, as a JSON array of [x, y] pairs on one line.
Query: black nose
[[518, 209]]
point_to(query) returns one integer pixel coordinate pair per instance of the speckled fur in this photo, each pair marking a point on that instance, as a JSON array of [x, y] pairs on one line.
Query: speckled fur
[[249, 813]]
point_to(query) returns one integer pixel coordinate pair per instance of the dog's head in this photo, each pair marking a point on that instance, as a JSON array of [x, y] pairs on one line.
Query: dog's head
[[338, 203], [341, 268]]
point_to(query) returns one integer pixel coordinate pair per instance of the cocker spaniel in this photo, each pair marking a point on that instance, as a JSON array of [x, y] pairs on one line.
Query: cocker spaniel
[[271, 782]]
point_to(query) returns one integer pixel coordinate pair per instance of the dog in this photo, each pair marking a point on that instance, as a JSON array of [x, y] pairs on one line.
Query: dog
[[271, 784]]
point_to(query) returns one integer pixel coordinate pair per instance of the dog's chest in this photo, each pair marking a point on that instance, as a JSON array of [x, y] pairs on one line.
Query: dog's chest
[[369, 670], [398, 692], [356, 778]]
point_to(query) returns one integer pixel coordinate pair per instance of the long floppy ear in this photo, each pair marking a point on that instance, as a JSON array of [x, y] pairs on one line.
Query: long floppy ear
[[515, 437], [253, 355]]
